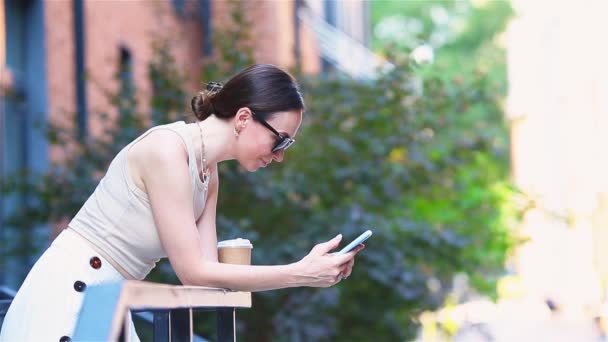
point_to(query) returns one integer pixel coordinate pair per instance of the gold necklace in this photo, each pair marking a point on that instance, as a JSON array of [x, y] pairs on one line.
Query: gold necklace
[[204, 169]]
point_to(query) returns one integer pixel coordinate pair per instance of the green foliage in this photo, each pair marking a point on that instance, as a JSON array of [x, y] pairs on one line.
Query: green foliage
[[418, 155], [167, 103], [473, 198]]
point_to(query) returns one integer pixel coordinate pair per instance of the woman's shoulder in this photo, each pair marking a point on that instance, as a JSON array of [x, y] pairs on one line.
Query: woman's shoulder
[[157, 149], [160, 145]]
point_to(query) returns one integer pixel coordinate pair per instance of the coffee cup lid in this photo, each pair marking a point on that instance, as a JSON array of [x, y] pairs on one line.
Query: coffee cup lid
[[235, 243]]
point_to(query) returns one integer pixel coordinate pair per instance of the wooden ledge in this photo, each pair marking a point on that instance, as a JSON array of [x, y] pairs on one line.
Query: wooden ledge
[[140, 295], [104, 311]]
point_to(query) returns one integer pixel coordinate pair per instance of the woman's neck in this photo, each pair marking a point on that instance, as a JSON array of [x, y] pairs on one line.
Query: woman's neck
[[217, 137]]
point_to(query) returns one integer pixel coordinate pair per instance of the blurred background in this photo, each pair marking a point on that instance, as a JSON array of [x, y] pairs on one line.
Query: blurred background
[[467, 134]]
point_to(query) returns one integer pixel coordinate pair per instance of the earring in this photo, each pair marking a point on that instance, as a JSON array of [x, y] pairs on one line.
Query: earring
[[236, 134]]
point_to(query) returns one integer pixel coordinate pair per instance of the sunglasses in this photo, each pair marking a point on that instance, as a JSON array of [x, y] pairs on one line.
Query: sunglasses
[[283, 141]]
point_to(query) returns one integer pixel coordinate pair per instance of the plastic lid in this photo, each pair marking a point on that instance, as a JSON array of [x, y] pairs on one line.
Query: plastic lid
[[243, 243]]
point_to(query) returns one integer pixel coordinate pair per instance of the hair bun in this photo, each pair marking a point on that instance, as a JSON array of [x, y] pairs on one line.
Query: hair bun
[[202, 103]]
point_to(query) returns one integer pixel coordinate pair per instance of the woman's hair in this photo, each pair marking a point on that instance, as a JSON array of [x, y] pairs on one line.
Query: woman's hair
[[263, 88]]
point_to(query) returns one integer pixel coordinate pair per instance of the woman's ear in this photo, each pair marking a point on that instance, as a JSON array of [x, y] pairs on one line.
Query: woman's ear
[[242, 118]]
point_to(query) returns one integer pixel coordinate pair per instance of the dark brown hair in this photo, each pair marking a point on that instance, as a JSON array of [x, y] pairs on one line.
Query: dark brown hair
[[263, 88]]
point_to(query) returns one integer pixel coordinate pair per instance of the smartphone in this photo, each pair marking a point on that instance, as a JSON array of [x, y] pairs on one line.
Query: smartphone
[[356, 242]]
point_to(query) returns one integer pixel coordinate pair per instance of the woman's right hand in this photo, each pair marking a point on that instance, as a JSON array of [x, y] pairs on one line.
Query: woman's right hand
[[322, 269]]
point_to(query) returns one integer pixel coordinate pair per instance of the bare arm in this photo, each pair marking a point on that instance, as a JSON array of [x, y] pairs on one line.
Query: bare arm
[[206, 223], [208, 241], [166, 178]]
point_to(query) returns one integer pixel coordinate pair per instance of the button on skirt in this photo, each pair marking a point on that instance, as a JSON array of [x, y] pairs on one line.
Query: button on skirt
[[47, 305]]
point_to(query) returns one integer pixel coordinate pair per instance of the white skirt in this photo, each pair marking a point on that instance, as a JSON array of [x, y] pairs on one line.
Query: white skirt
[[47, 305]]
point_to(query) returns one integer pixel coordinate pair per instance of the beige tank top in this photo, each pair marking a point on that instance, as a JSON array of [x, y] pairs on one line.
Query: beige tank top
[[117, 218]]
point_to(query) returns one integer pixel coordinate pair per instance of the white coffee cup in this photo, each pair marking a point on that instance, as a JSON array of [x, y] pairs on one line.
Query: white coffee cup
[[235, 251]]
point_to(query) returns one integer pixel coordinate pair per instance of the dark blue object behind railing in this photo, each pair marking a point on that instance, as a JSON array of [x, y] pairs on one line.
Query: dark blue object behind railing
[[6, 297]]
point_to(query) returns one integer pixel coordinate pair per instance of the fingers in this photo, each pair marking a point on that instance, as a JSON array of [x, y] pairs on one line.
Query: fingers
[[342, 259], [348, 262], [348, 269], [344, 271], [325, 247], [334, 267], [340, 273]]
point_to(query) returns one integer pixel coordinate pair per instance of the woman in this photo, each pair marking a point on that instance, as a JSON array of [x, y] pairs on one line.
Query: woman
[[158, 199]]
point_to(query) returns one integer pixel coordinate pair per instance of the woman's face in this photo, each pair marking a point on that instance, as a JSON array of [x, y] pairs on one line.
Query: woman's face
[[255, 141]]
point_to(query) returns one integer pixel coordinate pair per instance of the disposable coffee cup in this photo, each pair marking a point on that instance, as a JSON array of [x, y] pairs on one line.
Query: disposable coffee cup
[[236, 251]]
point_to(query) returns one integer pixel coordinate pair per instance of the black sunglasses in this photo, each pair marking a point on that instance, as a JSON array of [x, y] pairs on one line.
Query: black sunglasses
[[283, 141]]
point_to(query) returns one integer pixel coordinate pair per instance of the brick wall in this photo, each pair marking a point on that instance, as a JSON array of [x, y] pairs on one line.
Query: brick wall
[[110, 25], [132, 24]]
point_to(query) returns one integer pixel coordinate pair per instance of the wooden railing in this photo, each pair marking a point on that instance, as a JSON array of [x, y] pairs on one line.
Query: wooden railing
[[104, 311]]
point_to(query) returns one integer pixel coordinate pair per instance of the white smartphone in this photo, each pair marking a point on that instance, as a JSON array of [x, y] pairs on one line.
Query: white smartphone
[[356, 242]]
